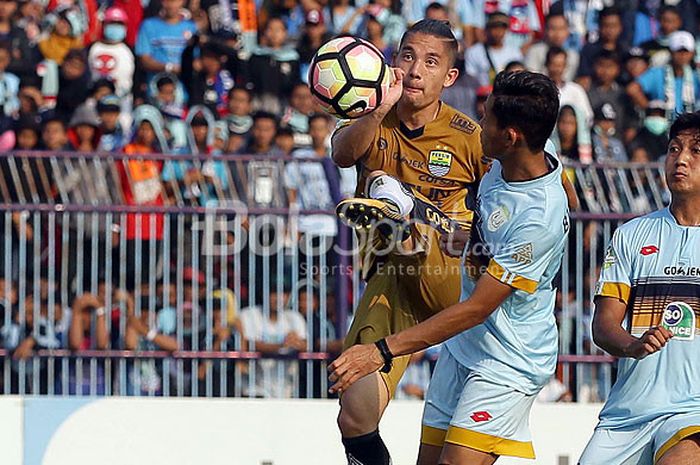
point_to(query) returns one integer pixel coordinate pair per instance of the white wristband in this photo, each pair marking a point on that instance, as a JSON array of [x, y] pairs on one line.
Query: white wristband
[[151, 335], [100, 311]]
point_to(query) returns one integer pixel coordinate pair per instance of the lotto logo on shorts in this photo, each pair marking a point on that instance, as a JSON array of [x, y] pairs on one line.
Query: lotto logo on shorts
[[679, 319], [478, 417]]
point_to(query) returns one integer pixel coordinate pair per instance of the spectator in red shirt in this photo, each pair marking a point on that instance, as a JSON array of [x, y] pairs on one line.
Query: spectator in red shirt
[[141, 185]]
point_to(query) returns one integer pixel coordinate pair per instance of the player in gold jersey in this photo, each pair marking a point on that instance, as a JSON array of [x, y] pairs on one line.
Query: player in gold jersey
[[435, 152]]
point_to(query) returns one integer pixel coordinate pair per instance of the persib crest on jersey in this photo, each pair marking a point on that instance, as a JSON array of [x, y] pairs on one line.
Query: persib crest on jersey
[[439, 162]]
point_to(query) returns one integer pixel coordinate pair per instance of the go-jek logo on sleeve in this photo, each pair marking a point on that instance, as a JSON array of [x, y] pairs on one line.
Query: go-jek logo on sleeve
[[679, 319]]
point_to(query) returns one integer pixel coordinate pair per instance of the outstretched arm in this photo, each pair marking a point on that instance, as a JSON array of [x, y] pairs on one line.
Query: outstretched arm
[[361, 360]]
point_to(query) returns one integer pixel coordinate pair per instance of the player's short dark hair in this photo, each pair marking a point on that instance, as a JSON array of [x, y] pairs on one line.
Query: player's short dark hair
[[684, 122], [552, 52], [609, 11], [514, 64], [527, 101], [435, 28]]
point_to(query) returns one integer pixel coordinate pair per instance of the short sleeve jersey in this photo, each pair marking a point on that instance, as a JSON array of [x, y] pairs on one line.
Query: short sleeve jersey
[[442, 161], [518, 237], [653, 265]]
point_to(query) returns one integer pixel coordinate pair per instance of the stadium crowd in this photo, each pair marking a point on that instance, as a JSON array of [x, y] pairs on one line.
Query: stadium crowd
[[209, 77]]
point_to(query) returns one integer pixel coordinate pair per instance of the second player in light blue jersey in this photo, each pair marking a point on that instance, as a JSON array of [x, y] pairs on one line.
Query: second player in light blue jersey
[[479, 400], [648, 313]]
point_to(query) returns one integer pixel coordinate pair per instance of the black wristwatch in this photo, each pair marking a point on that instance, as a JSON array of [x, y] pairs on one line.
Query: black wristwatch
[[386, 355]]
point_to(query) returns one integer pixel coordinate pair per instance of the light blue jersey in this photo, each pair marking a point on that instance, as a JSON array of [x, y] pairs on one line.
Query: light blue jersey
[[653, 265], [518, 237]]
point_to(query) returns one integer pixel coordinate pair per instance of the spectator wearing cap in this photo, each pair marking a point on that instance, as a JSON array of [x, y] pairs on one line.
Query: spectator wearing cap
[[605, 89], [162, 38], [83, 130], [670, 21], [651, 141], [607, 147], [610, 20], [24, 54], [206, 82], [634, 64], [523, 20], [113, 136], [556, 34], [110, 57], [314, 35], [459, 14], [273, 69], [484, 61], [65, 34], [73, 83], [676, 84]]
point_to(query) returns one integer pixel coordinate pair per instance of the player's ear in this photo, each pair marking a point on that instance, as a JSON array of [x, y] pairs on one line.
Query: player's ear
[[512, 136], [451, 77]]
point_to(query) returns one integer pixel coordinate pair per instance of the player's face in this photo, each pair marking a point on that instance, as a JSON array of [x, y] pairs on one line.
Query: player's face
[[425, 59], [683, 163], [492, 135]]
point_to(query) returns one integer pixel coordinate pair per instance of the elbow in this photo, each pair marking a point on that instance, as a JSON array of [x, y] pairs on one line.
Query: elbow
[[342, 161]]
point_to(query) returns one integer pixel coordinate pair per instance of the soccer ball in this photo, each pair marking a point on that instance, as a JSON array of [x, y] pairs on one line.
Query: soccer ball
[[348, 77]]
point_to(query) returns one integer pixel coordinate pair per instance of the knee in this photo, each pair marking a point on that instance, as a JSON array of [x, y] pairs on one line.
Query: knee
[[352, 422]]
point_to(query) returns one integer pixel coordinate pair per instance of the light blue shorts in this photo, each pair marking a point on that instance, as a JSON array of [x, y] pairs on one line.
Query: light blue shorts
[[463, 408], [641, 444]]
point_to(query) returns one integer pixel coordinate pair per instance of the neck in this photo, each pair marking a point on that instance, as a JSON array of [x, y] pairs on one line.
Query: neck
[[414, 119], [172, 19], [686, 209], [609, 44], [524, 165], [606, 85], [494, 44], [678, 70], [320, 150], [260, 148]]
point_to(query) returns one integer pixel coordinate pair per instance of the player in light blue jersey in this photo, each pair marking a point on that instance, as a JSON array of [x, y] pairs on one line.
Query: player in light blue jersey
[[648, 314], [505, 340]]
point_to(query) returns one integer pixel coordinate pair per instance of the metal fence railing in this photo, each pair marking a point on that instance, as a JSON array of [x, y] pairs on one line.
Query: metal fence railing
[[225, 275]]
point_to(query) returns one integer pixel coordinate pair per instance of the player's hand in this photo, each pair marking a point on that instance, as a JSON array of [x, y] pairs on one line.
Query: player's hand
[[453, 244], [650, 342], [354, 364], [395, 88]]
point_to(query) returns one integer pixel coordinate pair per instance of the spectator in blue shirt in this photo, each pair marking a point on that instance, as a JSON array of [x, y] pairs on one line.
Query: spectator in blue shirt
[[162, 39], [675, 84]]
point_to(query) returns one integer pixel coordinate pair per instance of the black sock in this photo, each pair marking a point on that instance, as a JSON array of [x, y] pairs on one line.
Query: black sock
[[368, 449]]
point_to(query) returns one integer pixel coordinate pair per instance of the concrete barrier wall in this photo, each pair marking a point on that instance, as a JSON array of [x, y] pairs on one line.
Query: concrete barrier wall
[[121, 431]]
